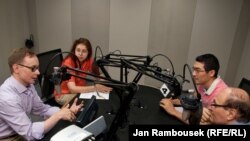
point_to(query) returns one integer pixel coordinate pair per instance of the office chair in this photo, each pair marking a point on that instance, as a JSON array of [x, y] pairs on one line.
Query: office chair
[[46, 65], [245, 85]]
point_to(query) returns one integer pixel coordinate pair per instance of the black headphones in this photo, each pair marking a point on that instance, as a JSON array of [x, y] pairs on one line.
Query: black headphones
[[29, 42]]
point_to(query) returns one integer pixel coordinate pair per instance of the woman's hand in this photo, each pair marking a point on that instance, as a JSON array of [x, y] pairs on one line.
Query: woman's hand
[[102, 88]]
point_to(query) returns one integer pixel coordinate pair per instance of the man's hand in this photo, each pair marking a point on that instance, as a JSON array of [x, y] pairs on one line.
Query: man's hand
[[206, 117], [168, 106], [66, 114], [75, 108]]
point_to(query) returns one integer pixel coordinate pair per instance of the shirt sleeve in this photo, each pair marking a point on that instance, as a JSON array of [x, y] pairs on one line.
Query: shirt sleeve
[[41, 109], [16, 118]]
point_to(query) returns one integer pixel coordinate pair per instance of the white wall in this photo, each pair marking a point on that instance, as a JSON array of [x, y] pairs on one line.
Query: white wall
[[54, 24], [214, 28], [179, 29], [244, 68], [13, 32], [90, 19], [240, 40], [171, 26], [129, 29]]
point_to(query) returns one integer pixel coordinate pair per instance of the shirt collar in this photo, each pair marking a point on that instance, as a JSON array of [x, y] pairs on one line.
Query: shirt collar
[[212, 87], [18, 86]]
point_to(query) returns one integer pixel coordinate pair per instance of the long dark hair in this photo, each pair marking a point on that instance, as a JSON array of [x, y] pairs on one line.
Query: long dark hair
[[83, 41]]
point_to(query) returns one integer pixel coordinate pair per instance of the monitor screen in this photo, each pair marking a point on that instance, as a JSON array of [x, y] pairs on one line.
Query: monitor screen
[[88, 114], [48, 60]]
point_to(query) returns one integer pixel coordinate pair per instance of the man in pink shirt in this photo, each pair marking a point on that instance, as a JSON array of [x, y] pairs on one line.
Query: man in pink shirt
[[205, 74]]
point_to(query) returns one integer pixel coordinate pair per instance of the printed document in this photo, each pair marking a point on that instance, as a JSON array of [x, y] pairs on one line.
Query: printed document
[[99, 95]]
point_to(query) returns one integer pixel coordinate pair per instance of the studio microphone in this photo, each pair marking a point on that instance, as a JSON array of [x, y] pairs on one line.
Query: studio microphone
[[57, 79], [192, 109]]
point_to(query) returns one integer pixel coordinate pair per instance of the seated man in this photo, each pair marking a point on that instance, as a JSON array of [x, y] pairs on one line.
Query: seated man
[[230, 106], [19, 99], [205, 74]]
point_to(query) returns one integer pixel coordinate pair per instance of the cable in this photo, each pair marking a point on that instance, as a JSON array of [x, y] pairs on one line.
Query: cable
[[192, 106], [98, 94], [47, 67], [190, 72], [173, 72], [98, 47], [56, 55], [116, 51]]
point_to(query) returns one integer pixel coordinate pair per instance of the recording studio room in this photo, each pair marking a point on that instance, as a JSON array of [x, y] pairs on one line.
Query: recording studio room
[[145, 51]]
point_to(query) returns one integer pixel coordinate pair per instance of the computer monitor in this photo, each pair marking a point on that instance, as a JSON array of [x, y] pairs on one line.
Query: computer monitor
[[48, 60], [88, 114]]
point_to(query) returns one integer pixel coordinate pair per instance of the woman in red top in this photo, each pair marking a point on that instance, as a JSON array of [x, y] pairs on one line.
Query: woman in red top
[[83, 50]]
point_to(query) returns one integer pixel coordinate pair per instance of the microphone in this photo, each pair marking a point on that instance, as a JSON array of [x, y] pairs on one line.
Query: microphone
[[192, 108], [57, 79], [170, 87]]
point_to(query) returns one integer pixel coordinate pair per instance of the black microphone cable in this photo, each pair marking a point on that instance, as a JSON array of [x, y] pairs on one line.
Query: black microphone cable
[[184, 79], [49, 77], [192, 106], [113, 52], [98, 47], [61, 53], [173, 72]]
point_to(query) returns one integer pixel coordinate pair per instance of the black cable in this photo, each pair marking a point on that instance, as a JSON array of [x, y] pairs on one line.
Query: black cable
[[45, 75], [190, 72], [98, 47], [56, 55], [173, 72], [113, 52], [192, 105]]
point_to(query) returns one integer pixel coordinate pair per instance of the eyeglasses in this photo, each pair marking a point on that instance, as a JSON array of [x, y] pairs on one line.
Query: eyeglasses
[[219, 105], [197, 70], [81, 51], [33, 69]]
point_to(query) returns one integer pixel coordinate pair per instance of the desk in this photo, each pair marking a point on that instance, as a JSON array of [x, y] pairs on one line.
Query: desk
[[144, 109]]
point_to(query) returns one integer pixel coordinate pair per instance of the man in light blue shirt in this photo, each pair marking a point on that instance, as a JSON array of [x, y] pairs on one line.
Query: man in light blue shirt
[[19, 99]]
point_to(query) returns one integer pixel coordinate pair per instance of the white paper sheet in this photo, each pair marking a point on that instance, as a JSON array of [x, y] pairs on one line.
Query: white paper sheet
[[104, 96]]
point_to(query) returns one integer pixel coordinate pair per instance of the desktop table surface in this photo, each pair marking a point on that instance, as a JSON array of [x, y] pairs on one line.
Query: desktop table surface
[[144, 109]]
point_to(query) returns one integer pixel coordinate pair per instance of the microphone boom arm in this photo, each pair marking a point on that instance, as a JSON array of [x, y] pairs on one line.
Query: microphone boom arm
[[127, 94], [165, 78]]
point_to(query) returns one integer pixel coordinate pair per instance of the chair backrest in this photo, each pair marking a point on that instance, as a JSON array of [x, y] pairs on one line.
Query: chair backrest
[[245, 85], [48, 60]]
